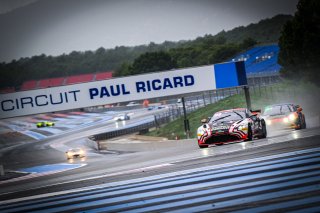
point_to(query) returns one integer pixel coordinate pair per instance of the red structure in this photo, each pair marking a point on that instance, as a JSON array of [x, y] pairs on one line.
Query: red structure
[[103, 76], [51, 82], [7, 90], [55, 82], [29, 85], [79, 79]]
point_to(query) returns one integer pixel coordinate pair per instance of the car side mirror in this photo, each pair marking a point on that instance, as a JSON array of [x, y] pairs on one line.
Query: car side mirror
[[204, 120]]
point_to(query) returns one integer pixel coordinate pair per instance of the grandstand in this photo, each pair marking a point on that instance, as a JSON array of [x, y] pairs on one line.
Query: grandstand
[[51, 82], [261, 63], [76, 79], [102, 76], [61, 81], [28, 85], [260, 59]]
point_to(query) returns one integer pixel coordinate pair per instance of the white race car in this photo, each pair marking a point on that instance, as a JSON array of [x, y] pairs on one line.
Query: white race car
[[75, 152], [231, 126], [122, 117]]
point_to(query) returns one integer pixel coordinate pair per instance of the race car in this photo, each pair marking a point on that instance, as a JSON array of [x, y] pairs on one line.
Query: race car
[[285, 115], [231, 125], [45, 124], [75, 152], [122, 117]]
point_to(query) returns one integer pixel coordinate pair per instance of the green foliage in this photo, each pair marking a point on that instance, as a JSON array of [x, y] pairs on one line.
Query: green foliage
[[150, 62], [300, 41], [265, 31]]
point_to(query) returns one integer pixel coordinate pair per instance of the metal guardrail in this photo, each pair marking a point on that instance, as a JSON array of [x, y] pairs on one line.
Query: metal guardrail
[[159, 120]]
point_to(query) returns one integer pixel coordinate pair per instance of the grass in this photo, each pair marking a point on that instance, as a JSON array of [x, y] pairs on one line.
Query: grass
[[305, 94]]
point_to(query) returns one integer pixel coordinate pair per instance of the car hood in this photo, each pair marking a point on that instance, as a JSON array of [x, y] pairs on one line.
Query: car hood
[[224, 124], [275, 116]]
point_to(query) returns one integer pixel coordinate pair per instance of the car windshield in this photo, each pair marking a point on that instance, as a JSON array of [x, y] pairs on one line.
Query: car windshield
[[277, 110], [228, 116], [75, 150]]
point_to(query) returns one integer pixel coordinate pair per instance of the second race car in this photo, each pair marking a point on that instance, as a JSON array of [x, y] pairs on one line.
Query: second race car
[[231, 125], [285, 115], [44, 124]]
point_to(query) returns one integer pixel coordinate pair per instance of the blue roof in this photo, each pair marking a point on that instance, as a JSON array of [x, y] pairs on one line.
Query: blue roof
[[260, 59]]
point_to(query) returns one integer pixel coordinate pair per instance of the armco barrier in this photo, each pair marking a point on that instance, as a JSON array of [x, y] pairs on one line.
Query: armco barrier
[[139, 128], [117, 133]]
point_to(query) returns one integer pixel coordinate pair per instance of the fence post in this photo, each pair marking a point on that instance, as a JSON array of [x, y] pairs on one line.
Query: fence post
[[247, 95], [260, 89], [156, 122], [186, 121]]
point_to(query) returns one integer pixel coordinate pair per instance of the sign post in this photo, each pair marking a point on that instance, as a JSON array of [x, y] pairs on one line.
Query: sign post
[[247, 95], [186, 121]]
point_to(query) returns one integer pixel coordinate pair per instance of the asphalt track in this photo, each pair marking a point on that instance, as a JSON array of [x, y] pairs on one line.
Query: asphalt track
[[279, 173]]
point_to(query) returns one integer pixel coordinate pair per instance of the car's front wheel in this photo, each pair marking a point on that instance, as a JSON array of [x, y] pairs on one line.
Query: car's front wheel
[[250, 134], [203, 146]]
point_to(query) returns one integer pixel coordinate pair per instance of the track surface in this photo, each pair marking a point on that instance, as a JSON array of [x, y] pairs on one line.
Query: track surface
[[280, 173]]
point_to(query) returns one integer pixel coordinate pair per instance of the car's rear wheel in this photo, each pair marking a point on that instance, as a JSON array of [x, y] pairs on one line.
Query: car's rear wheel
[[264, 129], [304, 125]]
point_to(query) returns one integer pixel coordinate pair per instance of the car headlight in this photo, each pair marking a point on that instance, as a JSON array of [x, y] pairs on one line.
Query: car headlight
[[286, 120], [243, 127], [269, 122], [292, 117], [200, 132]]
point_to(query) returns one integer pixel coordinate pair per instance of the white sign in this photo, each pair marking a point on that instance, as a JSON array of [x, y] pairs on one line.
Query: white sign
[[108, 91]]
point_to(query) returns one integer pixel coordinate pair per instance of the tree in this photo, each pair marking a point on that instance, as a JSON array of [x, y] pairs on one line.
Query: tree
[[154, 61], [300, 43], [124, 70], [247, 43]]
